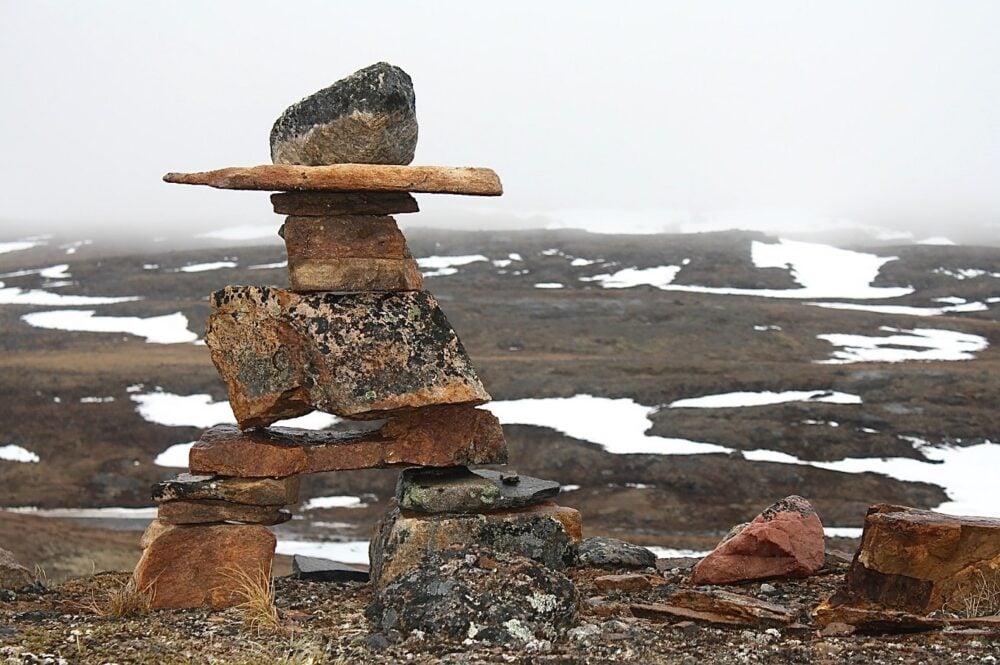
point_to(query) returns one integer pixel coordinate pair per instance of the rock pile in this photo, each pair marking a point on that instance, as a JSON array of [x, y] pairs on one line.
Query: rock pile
[[355, 336]]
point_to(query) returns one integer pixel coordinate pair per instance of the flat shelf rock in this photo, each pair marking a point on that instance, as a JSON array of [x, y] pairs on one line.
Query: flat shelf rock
[[441, 436], [461, 490], [467, 180], [253, 491], [362, 355]]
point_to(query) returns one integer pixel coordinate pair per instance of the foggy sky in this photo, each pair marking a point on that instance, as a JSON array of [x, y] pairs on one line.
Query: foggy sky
[[878, 113]]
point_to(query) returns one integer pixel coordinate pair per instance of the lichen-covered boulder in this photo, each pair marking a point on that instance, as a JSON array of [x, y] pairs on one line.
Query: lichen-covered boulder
[[472, 592], [356, 355], [613, 553], [368, 117], [459, 489]]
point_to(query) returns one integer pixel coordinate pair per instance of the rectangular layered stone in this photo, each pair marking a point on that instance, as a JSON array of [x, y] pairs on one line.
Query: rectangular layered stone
[[319, 204], [255, 491], [546, 532], [359, 355], [353, 275], [441, 436], [346, 236], [211, 511], [197, 566]]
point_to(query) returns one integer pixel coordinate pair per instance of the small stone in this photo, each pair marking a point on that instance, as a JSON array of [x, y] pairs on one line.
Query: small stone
[[509, 478], [254, 491], [209, 511], [377, 642], [546, 532], [323, 204], [585, 632], [324, 570], [362, 356], [837, 629], [13, 576], [438, 436], [446, 594], [460, 490], [196, 566], [627, 583], [613, 553], [785, 540], [368, 117], [768, 588]]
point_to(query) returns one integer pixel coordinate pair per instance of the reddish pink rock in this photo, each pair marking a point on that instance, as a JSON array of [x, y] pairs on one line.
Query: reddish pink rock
[[786, 540]]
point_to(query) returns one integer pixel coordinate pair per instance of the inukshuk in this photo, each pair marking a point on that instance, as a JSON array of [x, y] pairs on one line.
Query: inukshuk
[[355, 336]]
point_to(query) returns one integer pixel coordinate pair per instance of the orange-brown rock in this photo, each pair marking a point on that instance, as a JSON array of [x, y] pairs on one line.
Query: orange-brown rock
[[473, 181], [627, 582], [438, 436], [345, 236], [785, 540], [360, 355], [547, 533], [353, 275], [321, 204], [920, 561], [255, 491], [196, 566], [210, 511], [717, 607]]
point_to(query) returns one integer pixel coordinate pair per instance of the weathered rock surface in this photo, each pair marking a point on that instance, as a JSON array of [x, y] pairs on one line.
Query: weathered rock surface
[[209, 511], [322, 204], [13, 575], [717, 607], [368, 117], [362, 355], [785, 540], [324, 570], [612, 553], [461, 490], [475, 592], [629, 582], [546, 533], [343, 236], [195, 566], [254, 491], [353, 275], [919, 561], [436, 436]]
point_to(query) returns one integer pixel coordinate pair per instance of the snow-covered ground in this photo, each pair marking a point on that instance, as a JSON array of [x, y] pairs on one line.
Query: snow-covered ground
[[738, 399], [440, 266], [338, 501], [166, 329], [906, 310], [16, 296], [204, 267], [12, 453], [901, 345]]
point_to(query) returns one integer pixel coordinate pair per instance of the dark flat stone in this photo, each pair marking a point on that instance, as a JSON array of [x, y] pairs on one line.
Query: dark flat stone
[[325, 570], [461, 490]]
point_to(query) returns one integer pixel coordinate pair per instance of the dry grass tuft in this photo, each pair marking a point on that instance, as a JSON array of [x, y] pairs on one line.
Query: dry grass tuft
[[979, 597], [127, 600], [257, 591]]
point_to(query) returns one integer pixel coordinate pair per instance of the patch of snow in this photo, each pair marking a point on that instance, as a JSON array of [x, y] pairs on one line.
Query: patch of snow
[[741, 399], [440, 266], [569, 488], [951, 300], [916, 344], [204, 267], [18, 245], [502, 263], [166, 329], [660, 277], [671, 553], [244, 232], [966, 273], [339, 501], [514, 256], [150, 266], [766, 328], [579, 263], [89, 513], [199, 410], [96, 400], [56, 272], [640, 486], [353, 551], [549, 285], [176, 456], [72, 247], [619, 425], [269, 266], [904, 309], [936, 240], [12, 453], [15, 296], [551, 252], [842, 531]]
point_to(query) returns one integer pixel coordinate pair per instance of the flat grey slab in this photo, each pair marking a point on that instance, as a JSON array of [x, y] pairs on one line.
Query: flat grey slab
[[463, 490], [325, 570]]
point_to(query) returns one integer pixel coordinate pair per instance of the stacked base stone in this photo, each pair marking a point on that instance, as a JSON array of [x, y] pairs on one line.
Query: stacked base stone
[[355, 336]]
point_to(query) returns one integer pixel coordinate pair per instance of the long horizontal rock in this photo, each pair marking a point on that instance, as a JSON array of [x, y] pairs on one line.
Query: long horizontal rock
[[440, 436], [361, 356], [461, 490], [253, 491], [211, 511], [472, 181], [321, 204]]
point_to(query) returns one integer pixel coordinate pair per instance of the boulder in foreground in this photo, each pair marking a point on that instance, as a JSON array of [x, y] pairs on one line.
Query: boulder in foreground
[[785, 540], [361, 355], [13, 575], [368, 117]]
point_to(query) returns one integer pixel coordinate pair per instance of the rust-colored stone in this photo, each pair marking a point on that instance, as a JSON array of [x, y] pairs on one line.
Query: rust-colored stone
[[785, 540], [210, 511], [196, 566], [353, 275], [361, 355], [920, 561], [438, 436], [155, 529], [322, 204], [346, 236], [254, 491], [546, 532], [627, 582]]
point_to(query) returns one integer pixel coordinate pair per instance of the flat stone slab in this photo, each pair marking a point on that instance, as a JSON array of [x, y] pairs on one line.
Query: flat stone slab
[[471, 181], [360, 356], [461, 490], [321, 204], [324, 570], [547, 533], [441, 436], [254, 491], [215, 512], [716, 607]]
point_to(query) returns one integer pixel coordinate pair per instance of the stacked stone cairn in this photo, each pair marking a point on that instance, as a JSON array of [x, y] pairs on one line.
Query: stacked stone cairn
[[355, 336]]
